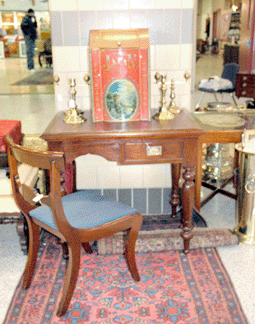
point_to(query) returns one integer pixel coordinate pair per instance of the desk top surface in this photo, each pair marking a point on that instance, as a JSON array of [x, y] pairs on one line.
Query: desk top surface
[[183, 125], [233, 120]]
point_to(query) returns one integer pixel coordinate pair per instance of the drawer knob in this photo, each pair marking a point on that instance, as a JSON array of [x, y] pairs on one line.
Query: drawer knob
[[153, 150], [243, 93], [244, 84], [245, 78]]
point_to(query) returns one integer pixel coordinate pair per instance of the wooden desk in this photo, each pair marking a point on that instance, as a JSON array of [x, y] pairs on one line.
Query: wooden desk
[[139, 142]]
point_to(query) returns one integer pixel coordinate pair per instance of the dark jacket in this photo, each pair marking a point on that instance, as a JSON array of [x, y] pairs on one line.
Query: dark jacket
[[29, 27]]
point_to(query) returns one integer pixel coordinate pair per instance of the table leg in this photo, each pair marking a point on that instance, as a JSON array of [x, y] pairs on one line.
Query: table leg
[[175, 199], [188, 196], [70, 177], [199, 177]]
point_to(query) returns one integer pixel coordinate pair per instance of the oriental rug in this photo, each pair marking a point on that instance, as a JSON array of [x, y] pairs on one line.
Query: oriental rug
[[38, 78], [174, 288], [162, 232]]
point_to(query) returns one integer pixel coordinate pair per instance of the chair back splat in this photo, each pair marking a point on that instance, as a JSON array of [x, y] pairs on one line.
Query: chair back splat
[[76, 219], [229, 72]]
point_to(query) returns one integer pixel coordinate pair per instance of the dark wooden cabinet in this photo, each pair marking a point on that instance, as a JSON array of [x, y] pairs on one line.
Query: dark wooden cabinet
[[245, 85]]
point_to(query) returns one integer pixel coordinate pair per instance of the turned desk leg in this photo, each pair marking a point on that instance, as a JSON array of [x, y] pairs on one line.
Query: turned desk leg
[[175, 199], [198, 183], [188, 196]]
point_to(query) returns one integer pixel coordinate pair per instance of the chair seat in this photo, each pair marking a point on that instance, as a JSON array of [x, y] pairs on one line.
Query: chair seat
[[216, 91], [85, 209]]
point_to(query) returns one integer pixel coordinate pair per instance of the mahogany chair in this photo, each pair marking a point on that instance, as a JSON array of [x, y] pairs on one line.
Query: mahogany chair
[[77, 218]]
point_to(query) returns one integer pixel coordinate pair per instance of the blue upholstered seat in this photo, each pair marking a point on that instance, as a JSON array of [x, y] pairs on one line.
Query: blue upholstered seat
[[85, 209]]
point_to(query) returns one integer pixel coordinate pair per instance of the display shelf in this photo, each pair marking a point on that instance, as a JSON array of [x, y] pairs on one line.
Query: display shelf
[[234, 28]]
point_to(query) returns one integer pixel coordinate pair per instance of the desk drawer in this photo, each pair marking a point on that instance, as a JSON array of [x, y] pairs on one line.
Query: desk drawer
[[157, 151], [245, 85]]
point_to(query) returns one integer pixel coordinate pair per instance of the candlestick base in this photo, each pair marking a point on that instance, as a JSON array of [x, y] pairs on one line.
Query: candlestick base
[[68, 112], [163, 114], [174, 109], [73, 117]]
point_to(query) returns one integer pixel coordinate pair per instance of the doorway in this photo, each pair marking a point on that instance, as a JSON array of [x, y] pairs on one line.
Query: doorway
[[14, 75]]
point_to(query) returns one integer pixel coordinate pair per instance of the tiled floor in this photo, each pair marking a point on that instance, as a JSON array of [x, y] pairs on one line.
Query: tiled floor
[[13, 70], [34, 107]]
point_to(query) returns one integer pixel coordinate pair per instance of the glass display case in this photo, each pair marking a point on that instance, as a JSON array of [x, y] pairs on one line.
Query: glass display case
[[218, 159]]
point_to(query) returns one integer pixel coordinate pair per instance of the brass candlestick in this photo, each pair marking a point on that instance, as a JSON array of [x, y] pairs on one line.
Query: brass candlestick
[[163, 113], [172, 106], [73, 115]]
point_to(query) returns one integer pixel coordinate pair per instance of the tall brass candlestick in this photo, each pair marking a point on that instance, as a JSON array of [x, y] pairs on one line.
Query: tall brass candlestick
[[163, 113], [73, 115], [172, 106]]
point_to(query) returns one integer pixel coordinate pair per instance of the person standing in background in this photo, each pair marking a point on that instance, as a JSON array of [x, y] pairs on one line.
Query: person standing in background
[[207, 27], [28, 27]]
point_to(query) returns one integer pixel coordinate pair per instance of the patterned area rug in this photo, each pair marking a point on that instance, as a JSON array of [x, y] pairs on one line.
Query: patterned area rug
[[162, 233], [174, 288], [40, 77]]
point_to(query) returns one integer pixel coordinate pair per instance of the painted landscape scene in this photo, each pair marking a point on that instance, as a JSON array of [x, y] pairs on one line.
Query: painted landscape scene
[[121, 99]]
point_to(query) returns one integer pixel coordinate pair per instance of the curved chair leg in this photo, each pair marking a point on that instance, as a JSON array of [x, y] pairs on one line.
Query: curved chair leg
[[215, 97], [71, 276], [34, 241], [130, 241], [87, 247]]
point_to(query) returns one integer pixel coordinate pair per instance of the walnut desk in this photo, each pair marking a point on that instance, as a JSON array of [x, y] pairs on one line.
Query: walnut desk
[[139, 142]]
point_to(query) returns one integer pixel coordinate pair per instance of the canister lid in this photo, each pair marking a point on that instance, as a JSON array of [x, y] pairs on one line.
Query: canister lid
[[115, 38]]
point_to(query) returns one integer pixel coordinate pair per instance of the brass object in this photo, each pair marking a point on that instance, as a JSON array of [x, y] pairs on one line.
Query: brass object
[[56, 79], [186, 76], [172, 106], [172, 110], [86, 78], [245, 212], [73, 115], [163, 113]]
